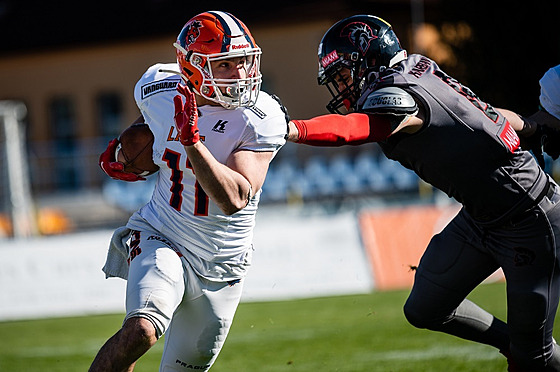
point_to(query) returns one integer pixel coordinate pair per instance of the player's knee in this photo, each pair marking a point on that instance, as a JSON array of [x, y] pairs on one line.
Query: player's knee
[[213, 337], [527, 312], [421, 314], [139, 331], [414, 315]]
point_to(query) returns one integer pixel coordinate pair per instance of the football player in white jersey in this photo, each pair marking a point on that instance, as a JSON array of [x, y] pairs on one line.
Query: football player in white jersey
[[189, 248], [549, 99], [550, 93], [546, 137]]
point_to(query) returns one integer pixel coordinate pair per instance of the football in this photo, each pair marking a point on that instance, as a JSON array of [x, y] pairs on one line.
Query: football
[[136, 150]]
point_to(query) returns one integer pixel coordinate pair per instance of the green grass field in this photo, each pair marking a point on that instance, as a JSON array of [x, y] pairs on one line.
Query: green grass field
[[346, 333]]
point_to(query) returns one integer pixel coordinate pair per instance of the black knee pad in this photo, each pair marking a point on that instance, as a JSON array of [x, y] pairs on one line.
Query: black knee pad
[[413, 315]]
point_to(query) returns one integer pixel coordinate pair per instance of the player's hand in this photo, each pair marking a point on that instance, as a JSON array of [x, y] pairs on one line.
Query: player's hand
[[544, 140], [551, 143], [533, 142], [186, 116], [114, 168]]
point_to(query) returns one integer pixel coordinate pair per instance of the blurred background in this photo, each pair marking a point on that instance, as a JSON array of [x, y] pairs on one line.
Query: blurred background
[[68, 69]]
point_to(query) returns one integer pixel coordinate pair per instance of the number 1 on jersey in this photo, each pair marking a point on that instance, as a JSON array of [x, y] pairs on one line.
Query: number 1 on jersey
[[200, 197], [173, 159]]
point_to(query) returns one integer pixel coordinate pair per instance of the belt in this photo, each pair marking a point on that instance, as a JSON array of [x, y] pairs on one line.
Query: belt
[[548, 191], [551, 190]]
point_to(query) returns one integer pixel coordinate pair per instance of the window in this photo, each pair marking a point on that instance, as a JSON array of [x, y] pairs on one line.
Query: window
[[110, 114], [64, 147]]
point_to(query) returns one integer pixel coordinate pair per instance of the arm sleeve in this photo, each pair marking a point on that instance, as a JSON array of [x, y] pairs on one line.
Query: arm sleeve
[[338, 130]]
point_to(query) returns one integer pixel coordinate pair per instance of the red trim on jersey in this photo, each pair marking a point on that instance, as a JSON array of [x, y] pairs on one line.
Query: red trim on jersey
[[509, 137], [338, 130]]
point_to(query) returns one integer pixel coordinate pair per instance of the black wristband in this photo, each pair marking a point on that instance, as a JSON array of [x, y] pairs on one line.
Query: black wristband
[[529, 127]]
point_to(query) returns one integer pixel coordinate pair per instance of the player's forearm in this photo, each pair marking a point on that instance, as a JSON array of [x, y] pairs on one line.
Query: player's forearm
[[521, 125], [339, 130], [224, 186]]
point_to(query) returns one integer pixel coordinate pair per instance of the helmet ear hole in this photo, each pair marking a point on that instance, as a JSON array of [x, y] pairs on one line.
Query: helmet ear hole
[[196, 60], [188, 72]]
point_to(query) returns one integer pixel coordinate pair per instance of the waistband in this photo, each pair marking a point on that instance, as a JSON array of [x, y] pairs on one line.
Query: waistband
[[543, 187]]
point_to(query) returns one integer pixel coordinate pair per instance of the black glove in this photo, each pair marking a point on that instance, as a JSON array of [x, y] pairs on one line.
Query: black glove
[[551, 143], [544, 140], [535, 144]]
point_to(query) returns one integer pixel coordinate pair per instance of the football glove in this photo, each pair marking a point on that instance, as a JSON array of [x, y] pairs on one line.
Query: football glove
[[114, 168], [186, 116], [544, 140], [551, 142]]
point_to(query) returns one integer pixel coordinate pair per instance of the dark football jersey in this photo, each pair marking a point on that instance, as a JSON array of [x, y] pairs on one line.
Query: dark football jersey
[[465, 148]]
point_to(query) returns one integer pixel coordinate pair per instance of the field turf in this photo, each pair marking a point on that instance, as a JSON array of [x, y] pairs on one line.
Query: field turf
[[345, 333]]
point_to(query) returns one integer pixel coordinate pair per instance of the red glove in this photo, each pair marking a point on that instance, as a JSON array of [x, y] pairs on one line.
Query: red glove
[[186, 116], [114, 168]]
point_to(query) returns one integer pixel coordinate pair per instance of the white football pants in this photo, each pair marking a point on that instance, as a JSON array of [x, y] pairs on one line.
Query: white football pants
[[195, 314]]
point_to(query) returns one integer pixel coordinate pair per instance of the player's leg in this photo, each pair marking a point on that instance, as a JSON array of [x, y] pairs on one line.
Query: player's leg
[[531, 264], [200, 325], [155, 287], [451, 267], [122, 350]]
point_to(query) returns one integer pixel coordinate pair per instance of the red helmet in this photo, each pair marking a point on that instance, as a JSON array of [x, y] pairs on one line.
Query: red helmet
[[212, 36]]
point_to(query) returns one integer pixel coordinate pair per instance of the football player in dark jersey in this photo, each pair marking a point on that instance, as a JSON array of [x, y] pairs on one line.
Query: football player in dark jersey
[[434, 125]]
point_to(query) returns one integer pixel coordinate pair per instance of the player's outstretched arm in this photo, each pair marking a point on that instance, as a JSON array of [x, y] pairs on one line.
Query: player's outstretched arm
[[538, 133], [351, 129]]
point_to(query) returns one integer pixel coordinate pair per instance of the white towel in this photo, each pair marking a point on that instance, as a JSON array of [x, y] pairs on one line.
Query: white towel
[[116, 265]]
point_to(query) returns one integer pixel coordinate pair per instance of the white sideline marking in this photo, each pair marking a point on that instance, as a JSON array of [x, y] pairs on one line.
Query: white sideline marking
[[89, 348], [471, 352]]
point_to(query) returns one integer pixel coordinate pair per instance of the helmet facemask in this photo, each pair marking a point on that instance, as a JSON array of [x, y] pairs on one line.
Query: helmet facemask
[[345, 94], [230, 93]]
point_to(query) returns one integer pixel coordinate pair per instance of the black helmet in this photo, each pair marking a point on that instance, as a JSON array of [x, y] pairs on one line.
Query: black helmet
[[361, 43]]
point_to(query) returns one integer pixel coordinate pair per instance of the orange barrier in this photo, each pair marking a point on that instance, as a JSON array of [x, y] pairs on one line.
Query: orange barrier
[[395, 239]]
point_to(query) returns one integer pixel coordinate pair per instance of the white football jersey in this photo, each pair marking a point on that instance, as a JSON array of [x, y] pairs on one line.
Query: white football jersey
[[216, 245], [550, 91]]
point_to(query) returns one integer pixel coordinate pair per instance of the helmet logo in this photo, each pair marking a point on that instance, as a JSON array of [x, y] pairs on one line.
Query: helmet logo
[[359, 34], [241, 46], [192, 32], [329, 58]]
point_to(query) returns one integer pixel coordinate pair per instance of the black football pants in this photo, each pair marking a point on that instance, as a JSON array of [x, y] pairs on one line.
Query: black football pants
[[464, 254]]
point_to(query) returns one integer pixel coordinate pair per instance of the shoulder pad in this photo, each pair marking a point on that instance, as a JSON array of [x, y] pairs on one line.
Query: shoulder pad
[[389, 100], [158, 78]]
